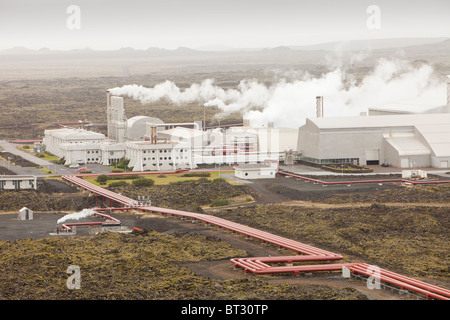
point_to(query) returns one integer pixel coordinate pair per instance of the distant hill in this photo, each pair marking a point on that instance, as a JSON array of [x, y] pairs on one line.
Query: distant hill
[[370, 44], [360, 55], [353, 45]]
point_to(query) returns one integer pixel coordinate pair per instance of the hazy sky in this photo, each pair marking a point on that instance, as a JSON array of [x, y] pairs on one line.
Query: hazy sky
[[112, 24]]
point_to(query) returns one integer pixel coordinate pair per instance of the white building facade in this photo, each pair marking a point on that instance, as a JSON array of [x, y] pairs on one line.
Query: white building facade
[[403, 141], [14, 182]]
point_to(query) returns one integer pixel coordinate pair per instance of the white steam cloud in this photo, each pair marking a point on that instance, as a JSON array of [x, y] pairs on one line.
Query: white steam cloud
[[288, 104], [76, 215]]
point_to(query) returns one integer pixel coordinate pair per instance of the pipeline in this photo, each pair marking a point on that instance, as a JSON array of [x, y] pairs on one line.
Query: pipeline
[[379, 181], [112, 221], [280, 172], [260, 265]]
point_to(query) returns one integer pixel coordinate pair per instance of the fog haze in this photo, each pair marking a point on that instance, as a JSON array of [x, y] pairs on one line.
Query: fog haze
[[169, 24]]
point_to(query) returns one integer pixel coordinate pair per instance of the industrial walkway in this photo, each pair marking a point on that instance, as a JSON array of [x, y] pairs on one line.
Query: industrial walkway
[[261, 265]]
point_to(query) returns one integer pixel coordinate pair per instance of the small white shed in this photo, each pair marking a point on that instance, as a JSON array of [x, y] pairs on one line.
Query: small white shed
[[255, 171], [25, 214]]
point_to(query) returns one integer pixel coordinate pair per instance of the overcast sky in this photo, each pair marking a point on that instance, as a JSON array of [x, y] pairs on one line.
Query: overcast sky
[[112, 24]]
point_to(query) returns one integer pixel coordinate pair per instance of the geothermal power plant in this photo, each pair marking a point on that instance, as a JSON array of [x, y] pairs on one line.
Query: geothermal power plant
[[386, 134]]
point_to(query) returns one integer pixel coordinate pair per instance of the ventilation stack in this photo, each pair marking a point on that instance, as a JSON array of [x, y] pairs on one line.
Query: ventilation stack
[[108, 112], [448, 94], [319, 107], [116, 118]]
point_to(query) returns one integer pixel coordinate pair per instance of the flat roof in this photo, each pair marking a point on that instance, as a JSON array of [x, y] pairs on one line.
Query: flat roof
[[401, 120], [75, 133], [16, 177], [254, 166], [183, 132], [415, 105]]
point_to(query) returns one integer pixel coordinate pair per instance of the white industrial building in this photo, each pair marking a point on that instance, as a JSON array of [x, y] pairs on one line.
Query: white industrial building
[[150, 144], [14, 182], [394, 136], [402, 141]]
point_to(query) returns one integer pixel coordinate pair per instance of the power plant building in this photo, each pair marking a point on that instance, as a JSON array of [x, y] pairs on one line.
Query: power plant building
[[390, 134], [151, 145], [402, 141], [397, 136]]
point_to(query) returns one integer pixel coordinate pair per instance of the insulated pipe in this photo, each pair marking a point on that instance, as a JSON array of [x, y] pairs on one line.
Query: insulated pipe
[[364, 181], [414, 282], [258, 265], [448, 94], [382, 277], [67, 226]]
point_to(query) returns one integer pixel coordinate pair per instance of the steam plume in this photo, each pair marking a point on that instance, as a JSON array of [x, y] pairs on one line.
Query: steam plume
[[287, 104], [76, 215]]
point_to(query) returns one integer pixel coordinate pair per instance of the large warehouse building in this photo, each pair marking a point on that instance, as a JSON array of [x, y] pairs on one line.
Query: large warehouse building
[[398, 137], [400, 140]]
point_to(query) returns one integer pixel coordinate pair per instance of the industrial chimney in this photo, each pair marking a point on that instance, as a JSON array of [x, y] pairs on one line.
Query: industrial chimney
[[448, 94], [319, 107], [108, 112]]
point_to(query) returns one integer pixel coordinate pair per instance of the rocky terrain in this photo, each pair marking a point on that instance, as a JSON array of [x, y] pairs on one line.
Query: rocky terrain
[[160, 262]]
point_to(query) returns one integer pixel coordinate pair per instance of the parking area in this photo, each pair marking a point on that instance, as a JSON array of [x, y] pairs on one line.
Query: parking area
[[11, 228]]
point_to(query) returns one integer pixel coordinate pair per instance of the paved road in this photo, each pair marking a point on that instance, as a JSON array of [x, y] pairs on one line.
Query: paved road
[[12, 148]]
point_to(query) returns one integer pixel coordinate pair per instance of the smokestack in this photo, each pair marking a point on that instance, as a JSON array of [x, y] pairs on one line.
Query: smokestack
[[448, 94], [108, 112], [108, 98], [319, 107]]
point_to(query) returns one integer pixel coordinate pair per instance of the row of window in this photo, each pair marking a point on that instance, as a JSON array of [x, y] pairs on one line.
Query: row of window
[[332, 161], [164, 158], [163, 151], [154, 164], [90, 141]]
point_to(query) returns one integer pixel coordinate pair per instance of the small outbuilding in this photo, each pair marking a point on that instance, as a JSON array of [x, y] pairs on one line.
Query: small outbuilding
[[414, 174], [25, 214], [14, 182], [255, 171]]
